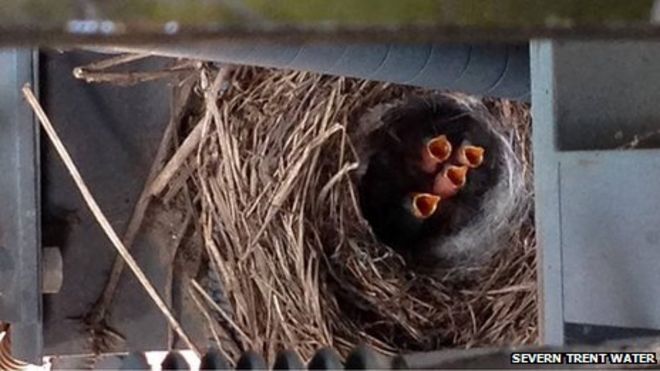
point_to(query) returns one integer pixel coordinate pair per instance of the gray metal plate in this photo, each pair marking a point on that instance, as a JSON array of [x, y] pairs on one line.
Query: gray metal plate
[[112, 134], [610, 216], [606, 92], [578, 333], [597, 209]]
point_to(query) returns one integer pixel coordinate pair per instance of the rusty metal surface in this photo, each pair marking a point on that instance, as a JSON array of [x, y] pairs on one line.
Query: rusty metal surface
[[135, 21]]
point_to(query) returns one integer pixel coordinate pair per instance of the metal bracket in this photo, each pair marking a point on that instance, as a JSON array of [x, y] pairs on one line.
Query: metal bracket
[[20, 239]]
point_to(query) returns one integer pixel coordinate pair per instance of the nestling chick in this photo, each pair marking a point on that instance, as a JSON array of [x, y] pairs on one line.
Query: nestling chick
[[469, 155], [435, 151], [450, 180]]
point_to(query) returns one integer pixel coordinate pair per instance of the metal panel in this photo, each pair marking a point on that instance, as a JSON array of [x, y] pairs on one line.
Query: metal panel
[[112, 134], [20, 240], [577, 333], [500, 70], [611, 237], [606, 93], [596, 211]]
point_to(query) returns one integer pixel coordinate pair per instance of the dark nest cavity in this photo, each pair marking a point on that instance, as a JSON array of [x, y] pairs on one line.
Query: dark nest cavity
[[468, 226]]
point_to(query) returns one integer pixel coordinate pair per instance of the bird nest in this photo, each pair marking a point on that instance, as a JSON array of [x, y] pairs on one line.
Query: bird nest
[[273, 181]]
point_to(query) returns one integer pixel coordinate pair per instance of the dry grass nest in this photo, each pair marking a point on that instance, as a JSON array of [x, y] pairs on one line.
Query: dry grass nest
[[279, 215]]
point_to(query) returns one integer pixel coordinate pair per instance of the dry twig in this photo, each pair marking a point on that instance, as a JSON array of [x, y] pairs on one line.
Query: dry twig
[[96, 72], [189, 144]]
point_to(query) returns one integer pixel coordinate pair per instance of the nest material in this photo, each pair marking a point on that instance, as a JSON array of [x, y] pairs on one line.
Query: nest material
[[283, 230]]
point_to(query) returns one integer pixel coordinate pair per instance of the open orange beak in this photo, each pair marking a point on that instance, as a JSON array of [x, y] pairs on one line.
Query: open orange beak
[[448, 182], [435, 151], [424, 204], [470, 156]]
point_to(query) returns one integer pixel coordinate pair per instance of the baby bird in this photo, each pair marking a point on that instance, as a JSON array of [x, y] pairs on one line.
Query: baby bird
[[422, 205], [469, 155], [435, 151], [450, 180]]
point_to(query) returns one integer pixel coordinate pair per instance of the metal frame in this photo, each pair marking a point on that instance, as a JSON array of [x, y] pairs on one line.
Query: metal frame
[[20, 239], [546, 191], [596, 204]]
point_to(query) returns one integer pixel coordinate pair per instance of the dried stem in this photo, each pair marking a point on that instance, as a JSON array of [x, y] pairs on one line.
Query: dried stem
[[97, 314]]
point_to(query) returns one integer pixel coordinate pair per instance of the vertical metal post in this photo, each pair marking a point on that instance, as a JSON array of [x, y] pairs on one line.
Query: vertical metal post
[[547, 195], [20, 239]]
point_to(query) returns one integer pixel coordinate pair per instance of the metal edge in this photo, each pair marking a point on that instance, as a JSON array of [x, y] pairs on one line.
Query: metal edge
[[24, 238], [546, 189]]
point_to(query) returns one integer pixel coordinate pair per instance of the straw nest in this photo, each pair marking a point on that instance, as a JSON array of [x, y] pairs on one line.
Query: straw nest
[[300, 268]]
